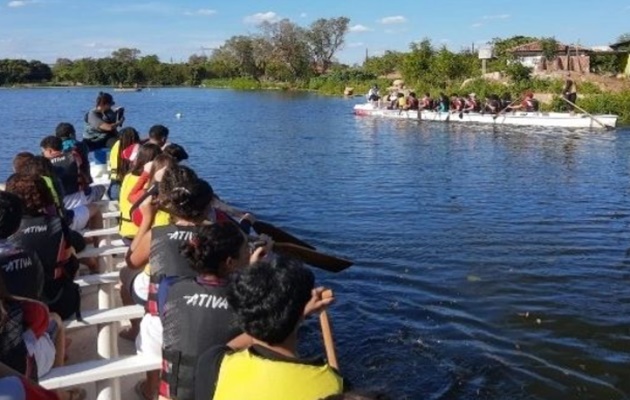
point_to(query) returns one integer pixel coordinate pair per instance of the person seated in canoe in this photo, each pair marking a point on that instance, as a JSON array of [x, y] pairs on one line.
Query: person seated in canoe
[[68, 135], [529, 103], [119, 163], [49, 237], [412, 102], [471, 104], [427, 102], [457, 103], [493, 104], [102, 123], [373, 94], [192, 325], [271, 300], [443, 103], [67, 168]]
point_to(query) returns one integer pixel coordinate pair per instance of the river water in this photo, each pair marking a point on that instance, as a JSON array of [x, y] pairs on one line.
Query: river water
[[490, 263]]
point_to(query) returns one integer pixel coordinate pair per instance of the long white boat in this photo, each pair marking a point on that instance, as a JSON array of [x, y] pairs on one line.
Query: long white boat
[[545, 119]]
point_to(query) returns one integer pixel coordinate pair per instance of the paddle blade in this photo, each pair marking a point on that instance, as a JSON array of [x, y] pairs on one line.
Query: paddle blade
[[278, 235], [312, 257]]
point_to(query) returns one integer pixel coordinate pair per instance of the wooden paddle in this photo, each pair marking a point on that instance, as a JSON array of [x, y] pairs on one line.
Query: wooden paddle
[[277, 234], [607, 127], [312, 257], [329, 343]]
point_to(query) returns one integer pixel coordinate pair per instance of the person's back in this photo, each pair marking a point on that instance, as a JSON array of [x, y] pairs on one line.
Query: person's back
[[195, 313], [22, 272], [66, 166], [66, 132]]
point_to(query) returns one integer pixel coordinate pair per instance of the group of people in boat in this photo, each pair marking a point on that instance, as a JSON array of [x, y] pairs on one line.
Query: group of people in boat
[[221, 312], [399, 100]]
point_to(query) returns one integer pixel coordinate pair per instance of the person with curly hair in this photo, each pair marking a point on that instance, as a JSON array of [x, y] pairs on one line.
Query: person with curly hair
[[21, 271], [188, 200], [270, 299], [49, 237], [195, 313]]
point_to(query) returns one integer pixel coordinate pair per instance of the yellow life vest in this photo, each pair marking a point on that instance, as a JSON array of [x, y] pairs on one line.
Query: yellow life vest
[[244, 375], [113, 161], [127, 228]]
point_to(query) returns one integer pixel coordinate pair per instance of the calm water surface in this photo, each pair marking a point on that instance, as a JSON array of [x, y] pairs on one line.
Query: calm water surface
[[490, 264]]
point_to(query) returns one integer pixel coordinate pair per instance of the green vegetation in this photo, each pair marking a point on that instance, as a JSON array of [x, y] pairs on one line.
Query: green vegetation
[[285, 56]]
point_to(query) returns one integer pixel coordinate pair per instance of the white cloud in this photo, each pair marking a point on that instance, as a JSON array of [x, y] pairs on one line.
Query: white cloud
[[398, 19], [259, 18], [356, 44], [500, 16], [476, 25], [17, 3], [359, 28], [205, 12], [303, 15]]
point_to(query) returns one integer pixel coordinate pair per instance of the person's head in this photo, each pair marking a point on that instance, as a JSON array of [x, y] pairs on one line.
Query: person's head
[[184, 195], [412, 95], [10, 214], [65, 130], [104, 101], [176, 151], [20, 160], [472, 96], [529, 94], [51, 145], [357, 395], [218, 249], [158, 134], [146, 154], [159, 165], [38, 165], [128, 137], [32, 191], [400, 95], [427, 95], [269, 298]]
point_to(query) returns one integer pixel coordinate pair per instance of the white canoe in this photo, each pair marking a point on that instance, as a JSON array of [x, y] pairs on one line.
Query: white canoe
[[546, 119]]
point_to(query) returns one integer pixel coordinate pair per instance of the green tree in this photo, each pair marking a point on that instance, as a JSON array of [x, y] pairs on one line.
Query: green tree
[[325, 37], [126, 54], [386, 64], [289, 47]]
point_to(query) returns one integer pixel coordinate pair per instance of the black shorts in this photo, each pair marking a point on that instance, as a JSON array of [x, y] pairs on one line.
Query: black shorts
[[374, 98]]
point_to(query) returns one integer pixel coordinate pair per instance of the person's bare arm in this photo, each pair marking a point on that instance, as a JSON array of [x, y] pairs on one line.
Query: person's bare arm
[[139, 257]]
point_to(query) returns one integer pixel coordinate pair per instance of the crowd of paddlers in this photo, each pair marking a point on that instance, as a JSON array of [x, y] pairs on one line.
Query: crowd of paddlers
[[222, 310]]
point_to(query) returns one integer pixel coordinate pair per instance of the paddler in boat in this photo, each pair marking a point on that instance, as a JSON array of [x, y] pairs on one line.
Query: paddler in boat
[[443, 104], [427, 102], [570, 92], [471, 104], [374, 96], [493, 104], [457, 103], [529, 104], [412, 102], [506, 102]]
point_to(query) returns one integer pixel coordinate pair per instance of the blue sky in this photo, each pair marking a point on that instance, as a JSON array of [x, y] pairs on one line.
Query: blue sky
[[47, 29]]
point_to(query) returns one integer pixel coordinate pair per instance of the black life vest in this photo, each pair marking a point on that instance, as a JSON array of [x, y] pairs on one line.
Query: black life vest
[[48, 237], [22, 272], [13, 351], [195, 316], [166, 259], [67, 170]]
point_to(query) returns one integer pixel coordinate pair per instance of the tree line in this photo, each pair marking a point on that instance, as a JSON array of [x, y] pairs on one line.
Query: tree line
[[278, 51]]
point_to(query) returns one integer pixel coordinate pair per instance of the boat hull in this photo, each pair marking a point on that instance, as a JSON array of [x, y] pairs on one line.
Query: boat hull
[[544, 119]]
